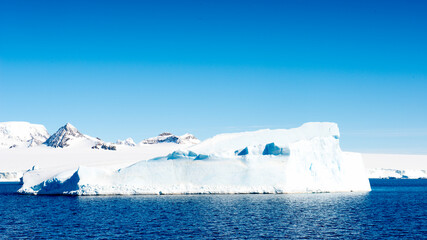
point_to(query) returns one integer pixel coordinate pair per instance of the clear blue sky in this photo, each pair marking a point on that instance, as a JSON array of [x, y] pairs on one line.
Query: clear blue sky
[[137, 68]]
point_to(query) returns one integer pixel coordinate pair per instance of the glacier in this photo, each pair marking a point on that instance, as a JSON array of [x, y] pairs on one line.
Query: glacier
[[306, 159]]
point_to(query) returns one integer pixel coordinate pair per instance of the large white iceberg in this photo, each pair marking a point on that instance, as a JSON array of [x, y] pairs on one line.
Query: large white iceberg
[[304, 159]]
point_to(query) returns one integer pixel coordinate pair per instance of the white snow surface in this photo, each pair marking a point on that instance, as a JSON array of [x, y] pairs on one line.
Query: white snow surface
[[396, 165], [396, 173], [304, 159], [50, 161], [22, 134], [395, 161]]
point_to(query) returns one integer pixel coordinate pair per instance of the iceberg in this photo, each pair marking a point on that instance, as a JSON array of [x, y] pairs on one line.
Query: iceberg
[[301, 160]]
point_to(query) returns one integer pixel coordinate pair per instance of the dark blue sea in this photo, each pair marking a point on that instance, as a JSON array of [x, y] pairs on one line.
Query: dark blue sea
[[395, 209]]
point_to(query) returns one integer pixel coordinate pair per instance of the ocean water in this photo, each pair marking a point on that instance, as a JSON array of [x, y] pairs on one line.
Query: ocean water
[[395, 209]]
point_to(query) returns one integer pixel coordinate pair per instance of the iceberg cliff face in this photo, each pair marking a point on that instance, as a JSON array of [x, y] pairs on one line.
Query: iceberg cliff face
[[22, 134], [304, 159]]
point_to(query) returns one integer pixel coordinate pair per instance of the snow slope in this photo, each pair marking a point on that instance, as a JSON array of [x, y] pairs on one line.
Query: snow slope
[[21, 134], [304, 159]]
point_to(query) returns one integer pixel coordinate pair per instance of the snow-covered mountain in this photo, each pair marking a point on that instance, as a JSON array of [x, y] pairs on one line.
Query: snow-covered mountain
[[188, 138], [18, 134], [127, 142], [22, 134], [397, 173], [64, 136], [69, 136], [171, 138]]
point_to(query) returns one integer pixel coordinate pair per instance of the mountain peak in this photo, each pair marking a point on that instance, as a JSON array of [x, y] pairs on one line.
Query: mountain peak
[[165, 134], [167, 137], [63, 135], [70, 129], [69, 126], [189, 138], [127, 142]]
